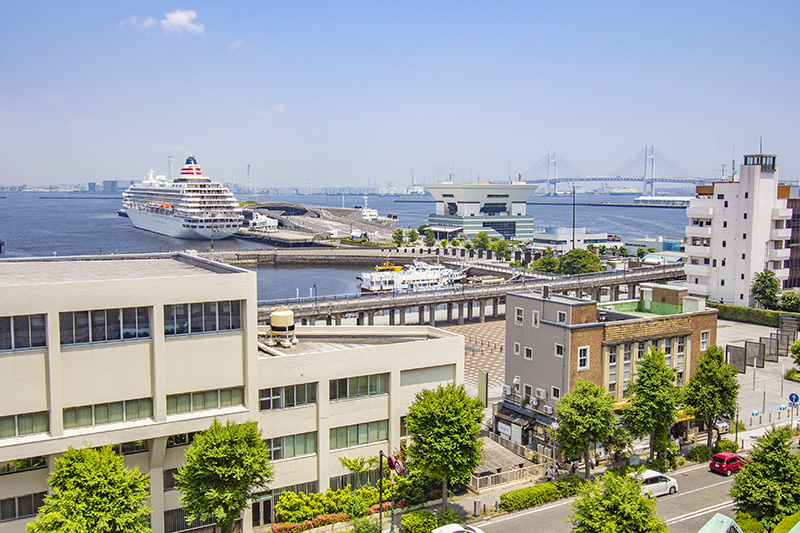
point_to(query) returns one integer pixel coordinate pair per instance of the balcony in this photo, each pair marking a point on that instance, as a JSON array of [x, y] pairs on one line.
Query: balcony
[[698, 289], [698, 251], [782, 273], [698, 231], [781, 214], [700, 271], [778, 255], [780, 234], [700, 212]]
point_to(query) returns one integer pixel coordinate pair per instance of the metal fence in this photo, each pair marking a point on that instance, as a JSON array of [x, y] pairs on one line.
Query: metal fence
[[770, 348], [478, 484], [736, 357], [785, 340]]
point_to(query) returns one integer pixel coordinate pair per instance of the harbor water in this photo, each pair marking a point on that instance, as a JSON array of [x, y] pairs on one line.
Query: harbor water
[[45, 224]]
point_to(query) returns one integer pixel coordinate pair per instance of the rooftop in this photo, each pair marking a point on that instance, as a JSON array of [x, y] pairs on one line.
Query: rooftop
[[66, 269]]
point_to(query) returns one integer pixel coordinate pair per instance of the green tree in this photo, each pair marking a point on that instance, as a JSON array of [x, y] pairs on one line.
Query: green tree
[[579, 261], [412, 235], [224, 467], [640, 253], [618, 444], [614, 250], [623, 251], [655, 398], [590, 247], [430, 238], [790, 302], [764, 289], [468, 245], [421, 229], [603, 249], [444, 243], [445, 424], [91, 490], [615, 504], [768, 488], [501, 250], [651, 250], [795, 349], [359, 465], [546, 263], [587, 416], [713, 388], [397, 237], [481, 241]]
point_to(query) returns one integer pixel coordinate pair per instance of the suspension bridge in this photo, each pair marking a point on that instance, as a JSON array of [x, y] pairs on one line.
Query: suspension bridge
[[646, 167]]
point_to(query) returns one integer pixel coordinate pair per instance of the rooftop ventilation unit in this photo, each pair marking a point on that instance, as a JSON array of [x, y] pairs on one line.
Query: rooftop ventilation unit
[[282, 328]]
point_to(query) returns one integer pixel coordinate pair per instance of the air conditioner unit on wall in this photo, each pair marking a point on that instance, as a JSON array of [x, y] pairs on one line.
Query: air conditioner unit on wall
[[534, 401], [547, 409], [541, 393], [507, 390]]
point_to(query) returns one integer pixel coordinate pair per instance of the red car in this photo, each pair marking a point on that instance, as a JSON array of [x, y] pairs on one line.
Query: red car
[[726, 463]]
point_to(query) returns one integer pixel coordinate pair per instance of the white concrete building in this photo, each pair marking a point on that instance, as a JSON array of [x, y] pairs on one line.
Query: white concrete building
[[561, 242], [142, 351], [498, 209], [738, 228]]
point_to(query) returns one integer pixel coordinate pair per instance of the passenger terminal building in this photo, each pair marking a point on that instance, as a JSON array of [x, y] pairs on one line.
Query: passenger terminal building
[[497, 209], [143, 351]]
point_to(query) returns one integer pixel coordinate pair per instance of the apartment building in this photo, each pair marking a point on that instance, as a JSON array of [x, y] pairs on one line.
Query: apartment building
[[144, 351], [555, 340], [738, 228]]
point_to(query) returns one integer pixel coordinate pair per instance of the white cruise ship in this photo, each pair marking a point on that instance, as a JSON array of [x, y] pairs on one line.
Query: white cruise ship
[[189, 207], [415, 277]]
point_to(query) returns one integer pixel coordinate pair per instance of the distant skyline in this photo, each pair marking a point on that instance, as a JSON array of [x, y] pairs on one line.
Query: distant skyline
[[350, 93]]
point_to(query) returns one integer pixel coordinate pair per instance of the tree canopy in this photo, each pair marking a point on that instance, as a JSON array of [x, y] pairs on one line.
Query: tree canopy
[[412, 235], [615, 504], [579, 261], [586, 417], [430, 238], [224, 467], [501, 249], [654, 400], [445, 424], [764, 289], [713, 389], [790, 302], [481, 241], [397, 237], [93, 491], [768, 487]]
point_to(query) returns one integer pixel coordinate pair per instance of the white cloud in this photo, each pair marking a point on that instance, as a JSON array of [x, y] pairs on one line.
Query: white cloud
[[141, 24], [179, 21], [235, 45], [279, 108]]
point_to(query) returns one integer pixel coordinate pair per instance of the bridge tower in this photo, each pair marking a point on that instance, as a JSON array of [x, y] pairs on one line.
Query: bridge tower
[[649, 182], [552, 172]]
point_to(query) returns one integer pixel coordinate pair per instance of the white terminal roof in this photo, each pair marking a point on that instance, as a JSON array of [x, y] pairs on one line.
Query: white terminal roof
[[515, 191]]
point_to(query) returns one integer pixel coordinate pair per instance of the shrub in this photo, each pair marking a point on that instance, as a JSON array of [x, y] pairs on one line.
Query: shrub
[[726, 445], [422, 521], [792, 374], [366, 525], [529, 496], [748, 524], [748, 314], [659, 465], [785, 525], [449, 516], [357, 507], [301, 507], [318, 521], [568, 486], [700, 454]]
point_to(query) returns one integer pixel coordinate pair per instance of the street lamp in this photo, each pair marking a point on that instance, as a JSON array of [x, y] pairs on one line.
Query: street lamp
[[553, 429]]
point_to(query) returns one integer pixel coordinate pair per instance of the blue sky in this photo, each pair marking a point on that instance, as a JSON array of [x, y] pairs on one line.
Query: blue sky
[[346, 93]]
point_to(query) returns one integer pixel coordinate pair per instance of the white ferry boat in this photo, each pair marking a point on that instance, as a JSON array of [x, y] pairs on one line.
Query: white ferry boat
[[415, 277], [189, 207]]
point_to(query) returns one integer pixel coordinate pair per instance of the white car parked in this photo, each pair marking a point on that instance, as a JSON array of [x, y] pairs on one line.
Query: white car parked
[[656, 484]]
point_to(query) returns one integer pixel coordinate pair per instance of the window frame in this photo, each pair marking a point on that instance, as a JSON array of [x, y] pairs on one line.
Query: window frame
[[581, 349]]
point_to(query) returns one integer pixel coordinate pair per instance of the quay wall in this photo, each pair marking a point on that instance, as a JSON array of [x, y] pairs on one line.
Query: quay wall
[[325, 256]]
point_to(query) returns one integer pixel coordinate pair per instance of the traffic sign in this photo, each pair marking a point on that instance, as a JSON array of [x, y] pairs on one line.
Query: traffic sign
[[794, 398], [398, 467], [390, 462]]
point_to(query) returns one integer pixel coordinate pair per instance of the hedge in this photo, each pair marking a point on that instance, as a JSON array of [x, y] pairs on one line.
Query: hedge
[[319, 521], [786, 525], [726, 445], [700, 454], [422, 521], [539, 494], [751, 315]]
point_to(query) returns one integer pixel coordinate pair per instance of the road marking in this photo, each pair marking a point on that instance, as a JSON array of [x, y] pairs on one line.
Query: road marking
[[697, 490], [699, 512], [526, 513]]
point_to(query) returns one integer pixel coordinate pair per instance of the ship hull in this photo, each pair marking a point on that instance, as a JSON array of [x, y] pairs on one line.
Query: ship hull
[[173, 226]]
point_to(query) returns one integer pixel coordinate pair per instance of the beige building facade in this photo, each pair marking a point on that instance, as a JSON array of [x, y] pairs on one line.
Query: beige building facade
[[143, 351]]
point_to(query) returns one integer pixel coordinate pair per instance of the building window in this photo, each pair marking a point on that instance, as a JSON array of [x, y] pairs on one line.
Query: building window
[[555, 393], [560, 350], [19, 465], [714, 263], [726, 203], [583, 358], [744, 235], [24, 424], [108, 413], [668, 346], [205, 317], [288, 396], [292, 446], [104, 325], [203, 400], [626, 353], [535, 318], [528, 353], [403, 427], [358, 434], [640, 349], [741, 276], [341, 389], [724, 244], [681, 347], [723, 262], [745, 216], [127, 448], [720, 197], [183, 439], [743, 256], [22, 332], [612, 354], [519, 316], [21, 506], [704, 340], [169, 478], [741, 296], [516, 348], [527, 392], [562, 317], [724, 223]]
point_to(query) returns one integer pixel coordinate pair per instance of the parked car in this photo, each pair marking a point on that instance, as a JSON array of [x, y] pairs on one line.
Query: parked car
[[457, 528], [656, 484], [726, 463], [721, 425]]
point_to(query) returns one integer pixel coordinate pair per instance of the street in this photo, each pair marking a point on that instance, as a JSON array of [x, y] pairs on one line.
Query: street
[[701, 494]]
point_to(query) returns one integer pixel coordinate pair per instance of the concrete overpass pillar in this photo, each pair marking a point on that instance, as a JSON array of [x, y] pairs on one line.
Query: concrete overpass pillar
[[495, 307], [460, 313], [360, 319], [371, 318], [597, 292], [615, 292], [482, 310], [631, 291], [338, 320], [391, 316], [470, 308], [421, 315], [303, 321], [403, 316], [449, 311], [432, 309], [329, 320]]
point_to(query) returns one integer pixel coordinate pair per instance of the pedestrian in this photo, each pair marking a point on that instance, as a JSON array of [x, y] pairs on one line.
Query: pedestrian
[[549, 474]]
